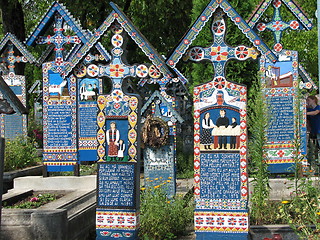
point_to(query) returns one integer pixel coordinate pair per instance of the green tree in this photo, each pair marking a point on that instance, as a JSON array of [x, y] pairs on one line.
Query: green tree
[[12, 17]]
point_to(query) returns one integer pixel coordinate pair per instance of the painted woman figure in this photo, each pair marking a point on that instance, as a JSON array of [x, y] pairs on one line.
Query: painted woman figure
[[113, 137], [207, 126]]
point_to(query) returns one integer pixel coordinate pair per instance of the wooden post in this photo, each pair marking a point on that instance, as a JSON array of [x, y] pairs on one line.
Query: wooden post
[[2, 146]]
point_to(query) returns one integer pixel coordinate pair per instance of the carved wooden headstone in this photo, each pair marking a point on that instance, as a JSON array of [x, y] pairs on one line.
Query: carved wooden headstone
[[287, 121], [281, 87], [59, 92], [220, 137], [117, 214], [14, 125], [159, 137], [221, 181]]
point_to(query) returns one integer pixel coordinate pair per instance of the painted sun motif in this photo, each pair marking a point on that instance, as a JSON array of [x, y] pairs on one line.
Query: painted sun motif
[[116, 70], [219, 53]]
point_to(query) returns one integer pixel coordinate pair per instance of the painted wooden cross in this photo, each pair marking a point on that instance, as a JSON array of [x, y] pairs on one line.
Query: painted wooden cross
[[11, 59], [59, 90], [118, 147], [117, 71], [118, 107], [281, 86], [13, 51], [58, 39], [277, 25], [219, 53]]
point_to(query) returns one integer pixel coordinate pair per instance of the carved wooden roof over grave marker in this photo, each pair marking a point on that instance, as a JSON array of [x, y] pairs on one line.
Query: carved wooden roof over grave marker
[[133, 32], [57, 15], [7, 45], [307, 80], [48, 19], [157, 95], [11, 98], [207, 13], [277, 25], [98, 46]]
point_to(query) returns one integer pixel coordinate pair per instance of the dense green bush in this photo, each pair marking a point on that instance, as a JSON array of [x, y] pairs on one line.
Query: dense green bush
[[163, 218], [19, 153], [301, 210]]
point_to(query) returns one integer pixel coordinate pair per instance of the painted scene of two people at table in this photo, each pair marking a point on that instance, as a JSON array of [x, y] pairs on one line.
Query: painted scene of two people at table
[[220, 129]]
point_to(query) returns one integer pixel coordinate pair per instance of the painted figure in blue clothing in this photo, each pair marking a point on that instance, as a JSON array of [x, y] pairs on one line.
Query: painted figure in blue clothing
[[313, 114]]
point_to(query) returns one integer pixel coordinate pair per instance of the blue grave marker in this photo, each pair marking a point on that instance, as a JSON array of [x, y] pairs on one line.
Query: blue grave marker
[[280, 82], [220, 138], [160, 156], [118, 132], [14, 125], [59, 91], [117, 200], [89, 87], [221, 181]]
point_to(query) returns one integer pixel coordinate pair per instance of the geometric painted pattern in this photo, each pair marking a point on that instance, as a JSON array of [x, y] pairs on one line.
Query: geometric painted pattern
[[88, 144], [117, 224], [116, 220], [227, 222]]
